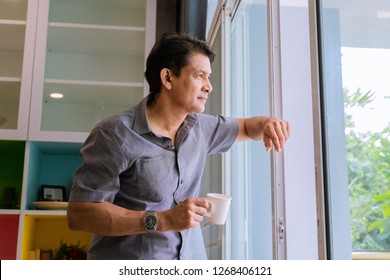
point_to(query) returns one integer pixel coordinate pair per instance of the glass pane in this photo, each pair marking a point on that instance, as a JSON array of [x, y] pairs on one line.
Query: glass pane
[[95, 59], [251, 182], [356, 55], [9, 104], [211, 180], [212, 6], [12, 31]]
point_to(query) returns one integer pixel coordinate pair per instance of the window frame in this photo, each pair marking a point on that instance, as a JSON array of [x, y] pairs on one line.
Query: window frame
[[301, 184]]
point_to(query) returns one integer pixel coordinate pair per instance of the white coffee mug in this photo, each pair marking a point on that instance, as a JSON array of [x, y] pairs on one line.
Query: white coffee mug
[[219, 208]]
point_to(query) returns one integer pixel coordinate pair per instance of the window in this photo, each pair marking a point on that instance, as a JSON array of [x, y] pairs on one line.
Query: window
[[355, 54], [337, 160], [212, 177], [251, 176], [247, 172]]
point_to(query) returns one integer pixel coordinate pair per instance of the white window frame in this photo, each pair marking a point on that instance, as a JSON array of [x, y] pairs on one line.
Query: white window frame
[[297, 172]]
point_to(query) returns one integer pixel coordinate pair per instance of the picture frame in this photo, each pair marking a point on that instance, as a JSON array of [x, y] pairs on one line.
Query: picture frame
[[52, 193]]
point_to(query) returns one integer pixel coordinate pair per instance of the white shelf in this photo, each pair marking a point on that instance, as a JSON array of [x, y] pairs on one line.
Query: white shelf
[[93, 92], [93, 83], [10, 79], [96, 39], [121, 12], [12, 22], [96, 26], [43, 213], [9, 212]]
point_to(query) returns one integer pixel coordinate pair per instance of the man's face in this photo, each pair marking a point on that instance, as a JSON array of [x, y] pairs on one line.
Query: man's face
[[191, 89]]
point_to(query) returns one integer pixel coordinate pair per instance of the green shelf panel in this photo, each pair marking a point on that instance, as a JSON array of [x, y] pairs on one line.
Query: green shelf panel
[[11, 173]]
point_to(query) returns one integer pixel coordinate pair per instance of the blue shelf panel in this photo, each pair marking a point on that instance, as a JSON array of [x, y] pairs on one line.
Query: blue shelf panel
[[51, 163]]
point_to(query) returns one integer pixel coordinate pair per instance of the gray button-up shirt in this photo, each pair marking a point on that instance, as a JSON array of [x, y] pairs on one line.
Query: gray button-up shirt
[[125, 163]]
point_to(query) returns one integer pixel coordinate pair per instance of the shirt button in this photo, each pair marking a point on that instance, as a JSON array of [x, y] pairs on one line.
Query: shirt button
[[181, 181]]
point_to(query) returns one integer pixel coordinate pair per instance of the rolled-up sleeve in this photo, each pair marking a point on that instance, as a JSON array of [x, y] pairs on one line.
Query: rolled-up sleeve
[[98, 179], [219, 132]]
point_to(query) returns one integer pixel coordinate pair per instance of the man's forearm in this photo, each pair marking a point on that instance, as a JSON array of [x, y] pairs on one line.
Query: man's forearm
[[104, 218]]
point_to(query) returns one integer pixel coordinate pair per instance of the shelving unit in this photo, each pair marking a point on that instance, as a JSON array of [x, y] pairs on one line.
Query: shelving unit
[[13, 22], [91, 51], [101, 50]]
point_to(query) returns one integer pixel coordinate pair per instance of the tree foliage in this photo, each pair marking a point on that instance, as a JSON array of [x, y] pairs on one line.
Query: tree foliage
[[368, 159]]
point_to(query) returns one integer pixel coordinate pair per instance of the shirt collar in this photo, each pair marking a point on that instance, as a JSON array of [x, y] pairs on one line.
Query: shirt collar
[[141, 124]]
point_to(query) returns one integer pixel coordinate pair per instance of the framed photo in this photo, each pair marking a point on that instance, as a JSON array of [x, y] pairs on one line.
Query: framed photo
[[52, 193]]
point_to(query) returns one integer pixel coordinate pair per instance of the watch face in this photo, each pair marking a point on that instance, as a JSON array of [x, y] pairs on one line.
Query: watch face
[[150, 221]]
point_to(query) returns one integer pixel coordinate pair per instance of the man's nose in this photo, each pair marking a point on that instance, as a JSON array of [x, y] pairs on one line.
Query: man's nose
[[208, 87]]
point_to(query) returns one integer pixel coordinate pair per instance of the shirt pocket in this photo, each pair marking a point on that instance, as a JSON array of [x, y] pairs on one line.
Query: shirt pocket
[[154, 180]]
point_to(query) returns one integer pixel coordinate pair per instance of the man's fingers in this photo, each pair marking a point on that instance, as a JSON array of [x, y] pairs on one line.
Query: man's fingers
[[277, 135], [287, 129], [274, 135], [196, 205], [267, 143]]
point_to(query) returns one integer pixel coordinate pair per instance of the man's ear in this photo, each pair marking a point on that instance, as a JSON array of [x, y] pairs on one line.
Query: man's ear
[[165, 76]]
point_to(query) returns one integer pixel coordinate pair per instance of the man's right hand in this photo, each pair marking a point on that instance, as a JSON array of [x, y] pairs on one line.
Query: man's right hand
[[187, 214]]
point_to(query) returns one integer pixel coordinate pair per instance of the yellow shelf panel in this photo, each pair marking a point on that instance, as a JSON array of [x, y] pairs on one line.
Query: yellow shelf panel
[[47, 232]]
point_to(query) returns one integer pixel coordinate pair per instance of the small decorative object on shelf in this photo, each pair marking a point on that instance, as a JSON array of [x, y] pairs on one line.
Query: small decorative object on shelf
[[46, 254], [70, 252], [52, 193], [9, 198]]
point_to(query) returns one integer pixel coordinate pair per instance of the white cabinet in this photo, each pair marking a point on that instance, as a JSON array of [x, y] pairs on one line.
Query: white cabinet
[[17, 41], [92, 52]]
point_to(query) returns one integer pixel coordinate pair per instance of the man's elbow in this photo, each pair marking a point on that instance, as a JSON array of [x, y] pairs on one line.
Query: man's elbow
[[73, 218]]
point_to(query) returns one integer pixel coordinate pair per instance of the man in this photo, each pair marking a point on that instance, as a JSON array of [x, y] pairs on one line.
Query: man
[[137, 189]]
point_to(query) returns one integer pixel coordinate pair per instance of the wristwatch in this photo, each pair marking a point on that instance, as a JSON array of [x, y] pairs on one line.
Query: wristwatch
[[150, 221]]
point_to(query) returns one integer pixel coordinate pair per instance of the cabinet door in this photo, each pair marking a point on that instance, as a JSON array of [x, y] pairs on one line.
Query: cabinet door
[[17, 41], [89, 65]]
